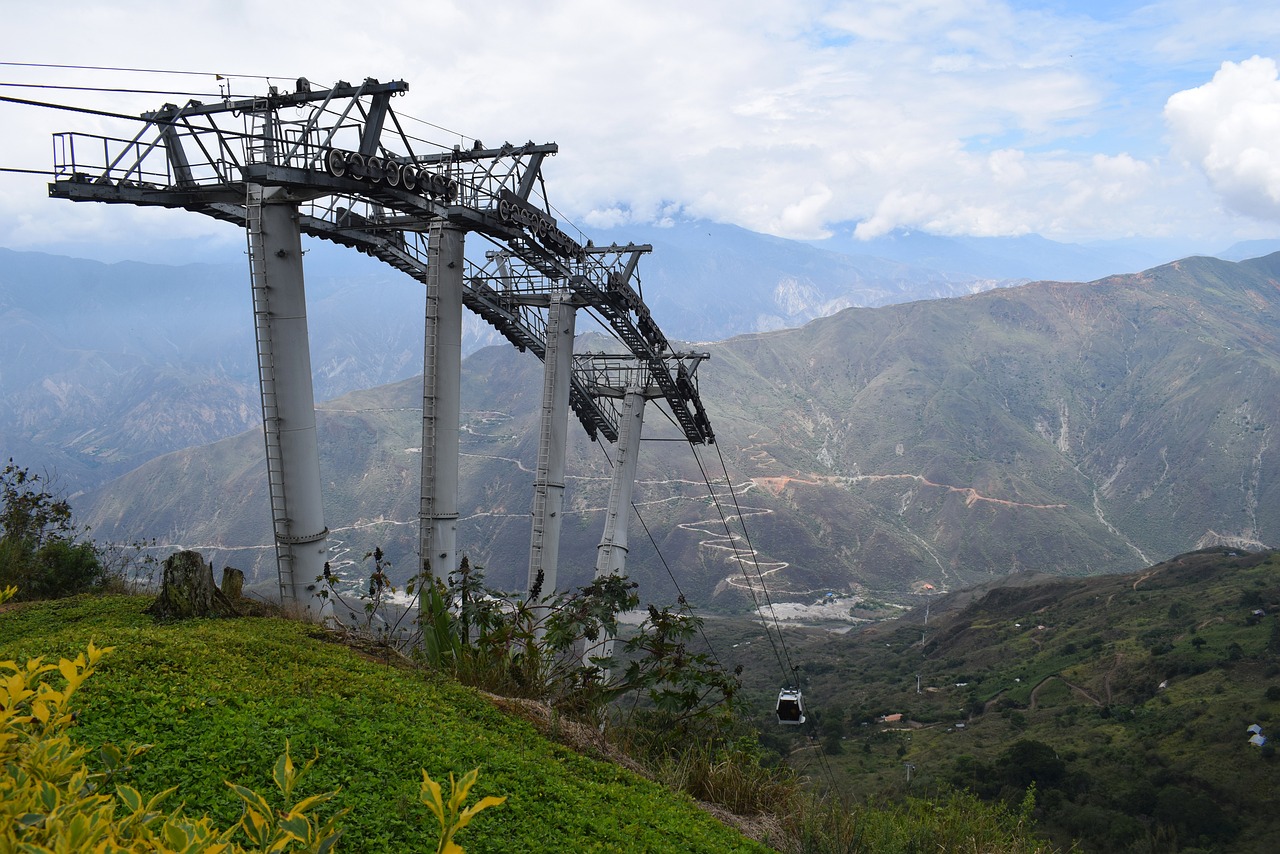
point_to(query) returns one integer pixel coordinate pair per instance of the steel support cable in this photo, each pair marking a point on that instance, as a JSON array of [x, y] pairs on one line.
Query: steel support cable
[[751, 550], [92, 112], [141, 70], [112, 89], [667, 566], [51, 106], [826, 767], [794, 671], [215, 74], [715, 500], [823, 762], [459, 134], [108, 114], [679, 592]]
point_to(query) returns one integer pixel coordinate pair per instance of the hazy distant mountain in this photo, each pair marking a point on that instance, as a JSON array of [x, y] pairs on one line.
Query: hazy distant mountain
[[1246, 249], [708, 282], [104, 366], [1028, 257], [1066, 428]]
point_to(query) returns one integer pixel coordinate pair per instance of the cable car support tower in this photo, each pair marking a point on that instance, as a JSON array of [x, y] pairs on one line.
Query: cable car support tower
[[337, 164]]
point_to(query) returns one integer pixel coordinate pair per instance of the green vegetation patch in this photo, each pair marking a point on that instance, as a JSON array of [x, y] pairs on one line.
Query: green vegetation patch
[[218, 698]]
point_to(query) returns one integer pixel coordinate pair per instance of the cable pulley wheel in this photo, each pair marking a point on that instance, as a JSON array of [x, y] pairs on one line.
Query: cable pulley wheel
[[335, 163], [438, 184], [409, 177]]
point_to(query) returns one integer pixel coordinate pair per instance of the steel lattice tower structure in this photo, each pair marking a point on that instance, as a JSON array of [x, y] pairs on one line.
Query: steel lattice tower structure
[[336, 164]]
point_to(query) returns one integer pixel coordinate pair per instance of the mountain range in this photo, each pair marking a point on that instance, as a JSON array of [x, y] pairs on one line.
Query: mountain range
[[1069, 428], [94, 355]]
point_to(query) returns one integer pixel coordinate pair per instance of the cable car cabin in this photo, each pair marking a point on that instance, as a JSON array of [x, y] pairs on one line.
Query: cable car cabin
[[790, 707]]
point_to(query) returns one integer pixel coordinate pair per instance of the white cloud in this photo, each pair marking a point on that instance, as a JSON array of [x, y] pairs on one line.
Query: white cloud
[[1230, 128], [968, 116]]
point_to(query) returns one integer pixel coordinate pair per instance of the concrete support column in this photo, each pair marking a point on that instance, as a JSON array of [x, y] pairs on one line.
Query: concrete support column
[[441, 400], [611, 554], [288, 399], [548, 495]]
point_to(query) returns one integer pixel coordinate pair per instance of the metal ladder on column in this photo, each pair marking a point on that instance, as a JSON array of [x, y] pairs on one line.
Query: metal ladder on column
[[267, 384], [430, 364], [260, 132], [542, 470]]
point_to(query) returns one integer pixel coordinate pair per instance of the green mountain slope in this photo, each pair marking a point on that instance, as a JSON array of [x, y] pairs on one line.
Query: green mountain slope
[[1060, 427], [1125, 698], [218, 699]]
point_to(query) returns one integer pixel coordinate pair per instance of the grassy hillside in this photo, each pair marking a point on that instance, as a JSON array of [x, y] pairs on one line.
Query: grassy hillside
[[1126, 699], [218, 699]]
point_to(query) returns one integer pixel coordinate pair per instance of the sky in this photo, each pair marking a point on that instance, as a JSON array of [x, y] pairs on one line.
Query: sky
[[1080, 121]]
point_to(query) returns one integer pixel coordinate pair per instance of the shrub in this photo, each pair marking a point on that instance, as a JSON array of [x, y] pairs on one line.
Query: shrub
[[39, 549]]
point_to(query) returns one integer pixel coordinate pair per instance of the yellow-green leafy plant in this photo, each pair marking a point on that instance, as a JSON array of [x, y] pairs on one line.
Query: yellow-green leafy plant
[[51, 802], [451, 815], [270, 831]]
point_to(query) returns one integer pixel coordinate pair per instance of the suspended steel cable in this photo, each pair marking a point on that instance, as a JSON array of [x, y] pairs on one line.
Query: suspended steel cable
[[752, 552], [459, 134], [715, 500], [68, 108], [683, 599], [217, 74], [667, 566], [113, 90]]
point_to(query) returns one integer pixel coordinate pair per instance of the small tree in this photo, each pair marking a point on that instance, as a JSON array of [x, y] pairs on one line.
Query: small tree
[[39, 547]]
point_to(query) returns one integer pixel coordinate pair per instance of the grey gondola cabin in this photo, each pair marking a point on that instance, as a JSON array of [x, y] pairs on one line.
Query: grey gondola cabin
[[790, 707]]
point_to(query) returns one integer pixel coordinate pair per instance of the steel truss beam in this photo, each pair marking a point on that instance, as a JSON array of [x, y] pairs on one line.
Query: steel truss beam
[[379, 192]]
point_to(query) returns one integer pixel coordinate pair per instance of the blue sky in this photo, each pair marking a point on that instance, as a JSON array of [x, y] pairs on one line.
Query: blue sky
[[801, 119]]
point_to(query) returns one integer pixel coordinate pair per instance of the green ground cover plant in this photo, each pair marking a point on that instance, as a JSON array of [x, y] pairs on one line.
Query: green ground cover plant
[[218, 699]]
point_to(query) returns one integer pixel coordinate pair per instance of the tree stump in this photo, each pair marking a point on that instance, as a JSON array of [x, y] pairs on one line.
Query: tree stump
[[232, 583], [188, 591]]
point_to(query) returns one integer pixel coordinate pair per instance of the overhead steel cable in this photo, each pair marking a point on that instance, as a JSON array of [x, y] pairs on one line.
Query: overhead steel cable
[[683, 599], [715, 500], [459, 134], [215, 74], [752, 552], [112, 89], [67, 107], [794, 674], [218, 74], [667, 566]]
